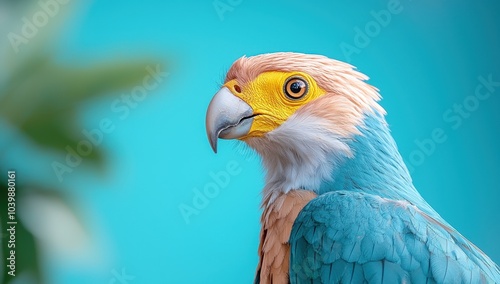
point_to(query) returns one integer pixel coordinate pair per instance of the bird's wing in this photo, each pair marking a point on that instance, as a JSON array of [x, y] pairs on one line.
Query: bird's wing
[[352, 237]]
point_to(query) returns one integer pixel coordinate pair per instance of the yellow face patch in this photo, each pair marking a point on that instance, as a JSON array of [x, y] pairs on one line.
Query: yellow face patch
[[275, 96]]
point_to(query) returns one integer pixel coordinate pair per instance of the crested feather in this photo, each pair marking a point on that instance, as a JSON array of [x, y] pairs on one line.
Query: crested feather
[[336, 77]]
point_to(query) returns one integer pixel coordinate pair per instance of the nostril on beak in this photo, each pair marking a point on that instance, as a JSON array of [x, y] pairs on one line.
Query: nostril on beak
[[237, 88]]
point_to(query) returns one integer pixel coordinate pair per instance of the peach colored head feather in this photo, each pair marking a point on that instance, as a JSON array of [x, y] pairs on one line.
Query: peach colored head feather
[[335, 77]]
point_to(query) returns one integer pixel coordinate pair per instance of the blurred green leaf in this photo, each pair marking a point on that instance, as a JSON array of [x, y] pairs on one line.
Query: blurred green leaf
[[43, 98]]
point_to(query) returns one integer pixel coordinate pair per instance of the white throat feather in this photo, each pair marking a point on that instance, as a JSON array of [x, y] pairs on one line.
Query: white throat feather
[[299, 154]]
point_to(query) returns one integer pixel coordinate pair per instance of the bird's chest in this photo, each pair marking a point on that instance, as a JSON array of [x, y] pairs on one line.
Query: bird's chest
[[277, 221]]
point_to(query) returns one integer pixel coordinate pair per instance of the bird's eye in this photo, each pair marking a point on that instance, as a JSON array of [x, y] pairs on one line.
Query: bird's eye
[[295, 88]]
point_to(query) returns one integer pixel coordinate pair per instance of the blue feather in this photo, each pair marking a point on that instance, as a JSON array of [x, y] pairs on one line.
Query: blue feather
[[369, 224]]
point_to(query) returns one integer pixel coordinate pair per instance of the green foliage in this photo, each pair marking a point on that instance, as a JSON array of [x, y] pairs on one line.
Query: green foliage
[[43, 100]]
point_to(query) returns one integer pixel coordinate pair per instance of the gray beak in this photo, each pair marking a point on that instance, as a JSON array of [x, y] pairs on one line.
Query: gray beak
[[228, 117]]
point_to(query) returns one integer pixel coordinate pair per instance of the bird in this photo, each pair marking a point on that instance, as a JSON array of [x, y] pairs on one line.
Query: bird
[[338, 204]]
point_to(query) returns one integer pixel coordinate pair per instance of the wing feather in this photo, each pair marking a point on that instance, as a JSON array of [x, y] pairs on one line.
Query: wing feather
[[354, 237]]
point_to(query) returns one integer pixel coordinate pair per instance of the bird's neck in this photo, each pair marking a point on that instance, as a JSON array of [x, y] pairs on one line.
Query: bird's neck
[[376, 166], [299, 154], [321, 161]]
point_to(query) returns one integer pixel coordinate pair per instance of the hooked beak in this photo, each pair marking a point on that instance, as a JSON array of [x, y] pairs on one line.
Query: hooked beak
[[228, 117]]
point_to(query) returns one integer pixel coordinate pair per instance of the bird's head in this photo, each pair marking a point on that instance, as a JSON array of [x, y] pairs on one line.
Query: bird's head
[[283, 104]]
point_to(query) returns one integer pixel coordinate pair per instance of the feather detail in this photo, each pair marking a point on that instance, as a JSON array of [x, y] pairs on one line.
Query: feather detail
[[277, 221]]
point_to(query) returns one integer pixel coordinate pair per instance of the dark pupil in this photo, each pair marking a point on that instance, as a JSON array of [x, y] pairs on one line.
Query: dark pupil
[[296, 87]]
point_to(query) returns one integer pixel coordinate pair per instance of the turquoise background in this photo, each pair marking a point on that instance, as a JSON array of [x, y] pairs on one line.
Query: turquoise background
[[426, 59]]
